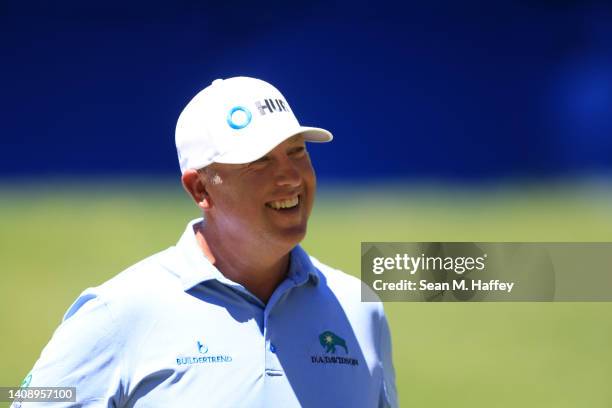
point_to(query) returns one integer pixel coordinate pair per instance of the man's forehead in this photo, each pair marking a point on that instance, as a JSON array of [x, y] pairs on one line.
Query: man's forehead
[[295, 139], [292, 141]]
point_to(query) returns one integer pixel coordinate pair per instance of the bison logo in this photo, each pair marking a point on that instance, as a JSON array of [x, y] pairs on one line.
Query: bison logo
[[329, 341]]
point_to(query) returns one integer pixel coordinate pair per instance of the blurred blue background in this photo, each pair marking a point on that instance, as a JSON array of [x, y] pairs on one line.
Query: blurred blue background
[[436, 90]]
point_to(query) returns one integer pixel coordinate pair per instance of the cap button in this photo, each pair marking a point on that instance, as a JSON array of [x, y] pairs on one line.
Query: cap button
[[217, 81]]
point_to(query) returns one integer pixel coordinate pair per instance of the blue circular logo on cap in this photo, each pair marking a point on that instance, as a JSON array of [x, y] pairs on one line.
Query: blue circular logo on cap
[[244, 123]]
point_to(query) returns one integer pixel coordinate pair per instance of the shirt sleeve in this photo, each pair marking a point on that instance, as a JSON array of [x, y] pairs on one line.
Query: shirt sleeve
[[388, 392], [84, 353]]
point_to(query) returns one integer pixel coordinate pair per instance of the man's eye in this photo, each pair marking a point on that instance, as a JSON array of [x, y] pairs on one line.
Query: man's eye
[[298, 151]]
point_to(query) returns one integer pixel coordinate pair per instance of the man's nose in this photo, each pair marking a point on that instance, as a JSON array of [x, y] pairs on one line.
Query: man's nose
[[288, 173]]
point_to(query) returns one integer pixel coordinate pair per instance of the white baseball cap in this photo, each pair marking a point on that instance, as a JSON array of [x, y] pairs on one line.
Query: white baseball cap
[[236, 120]]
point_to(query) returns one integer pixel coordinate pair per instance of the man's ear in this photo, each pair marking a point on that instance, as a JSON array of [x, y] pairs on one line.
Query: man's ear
[[195, 185]]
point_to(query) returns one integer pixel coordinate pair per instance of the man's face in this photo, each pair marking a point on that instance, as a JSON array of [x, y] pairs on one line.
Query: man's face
[[268, 200]]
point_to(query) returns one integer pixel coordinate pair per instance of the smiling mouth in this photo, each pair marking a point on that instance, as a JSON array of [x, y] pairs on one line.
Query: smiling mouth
[[288, 204]]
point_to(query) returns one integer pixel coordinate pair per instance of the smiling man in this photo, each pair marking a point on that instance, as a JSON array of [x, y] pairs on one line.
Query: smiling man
[[258, 211], [237, 313]]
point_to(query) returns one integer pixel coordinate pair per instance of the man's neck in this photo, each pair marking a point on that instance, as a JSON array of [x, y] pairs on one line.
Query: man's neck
[[257, 269]]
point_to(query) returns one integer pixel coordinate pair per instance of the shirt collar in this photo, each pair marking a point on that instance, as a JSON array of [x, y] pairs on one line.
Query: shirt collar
[[194, 268]]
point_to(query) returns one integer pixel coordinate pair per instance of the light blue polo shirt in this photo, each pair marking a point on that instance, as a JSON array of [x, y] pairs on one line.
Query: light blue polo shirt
[[172, 331]]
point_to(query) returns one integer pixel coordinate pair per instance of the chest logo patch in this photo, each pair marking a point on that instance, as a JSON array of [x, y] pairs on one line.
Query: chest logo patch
[[329, 340], [202, 348], [203, 358], [331, 343]]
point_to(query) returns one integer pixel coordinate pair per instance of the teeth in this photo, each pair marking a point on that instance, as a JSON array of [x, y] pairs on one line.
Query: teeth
[[277, 205]]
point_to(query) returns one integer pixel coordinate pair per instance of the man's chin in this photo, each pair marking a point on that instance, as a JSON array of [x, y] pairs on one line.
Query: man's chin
[[291, 237]]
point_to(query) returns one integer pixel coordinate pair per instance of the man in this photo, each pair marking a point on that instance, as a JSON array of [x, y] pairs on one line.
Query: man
[[236, 314]]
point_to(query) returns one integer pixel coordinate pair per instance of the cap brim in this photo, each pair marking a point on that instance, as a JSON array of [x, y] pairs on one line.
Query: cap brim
[[258, 148], [313, 134]]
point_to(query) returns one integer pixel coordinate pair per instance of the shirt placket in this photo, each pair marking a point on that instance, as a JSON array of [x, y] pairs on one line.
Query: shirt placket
[[272, 365], [273, 368]]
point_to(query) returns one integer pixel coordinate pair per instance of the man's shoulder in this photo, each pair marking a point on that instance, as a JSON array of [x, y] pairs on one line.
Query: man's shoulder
[[136, 290], [346, 286], [335, 276], [150, 274]]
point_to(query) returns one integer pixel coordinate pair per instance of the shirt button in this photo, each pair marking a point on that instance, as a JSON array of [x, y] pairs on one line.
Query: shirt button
[[272, 348]]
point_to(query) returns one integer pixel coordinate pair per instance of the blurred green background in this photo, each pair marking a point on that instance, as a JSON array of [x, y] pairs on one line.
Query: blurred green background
[[59, 237]]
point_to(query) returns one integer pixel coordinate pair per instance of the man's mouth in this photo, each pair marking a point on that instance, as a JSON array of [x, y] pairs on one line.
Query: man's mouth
[[284, 204]]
